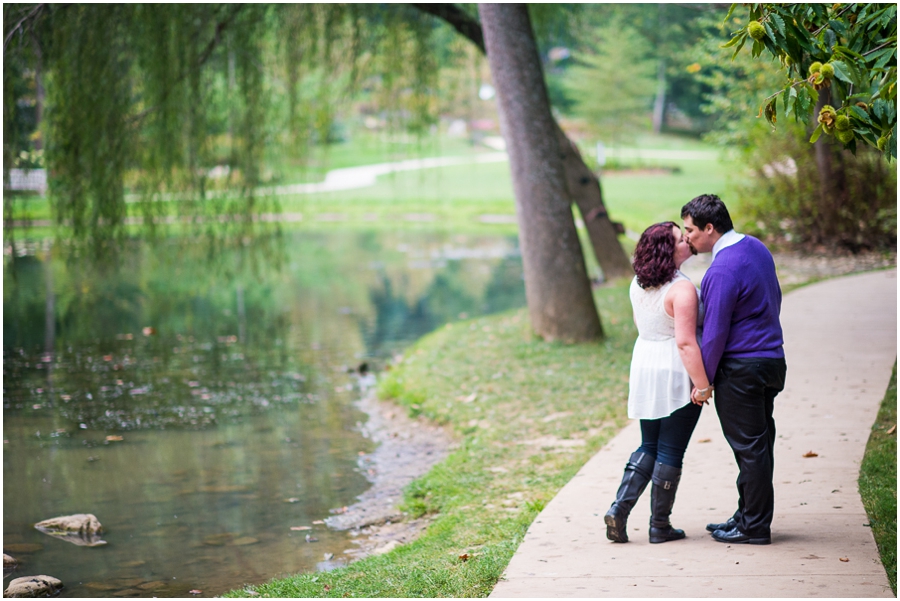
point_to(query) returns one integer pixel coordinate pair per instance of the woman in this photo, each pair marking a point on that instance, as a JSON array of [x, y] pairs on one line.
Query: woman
[[665, 363]]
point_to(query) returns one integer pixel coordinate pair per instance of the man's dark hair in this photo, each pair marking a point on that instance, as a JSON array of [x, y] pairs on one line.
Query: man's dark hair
[[708, 208]]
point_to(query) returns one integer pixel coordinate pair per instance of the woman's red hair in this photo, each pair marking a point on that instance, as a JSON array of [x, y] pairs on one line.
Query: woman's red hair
[[654, 257]]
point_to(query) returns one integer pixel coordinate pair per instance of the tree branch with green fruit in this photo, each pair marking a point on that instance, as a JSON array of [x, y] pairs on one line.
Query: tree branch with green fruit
[[848, 49]]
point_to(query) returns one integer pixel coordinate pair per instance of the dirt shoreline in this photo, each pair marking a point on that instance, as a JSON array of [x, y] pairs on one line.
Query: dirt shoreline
[[407, 449]]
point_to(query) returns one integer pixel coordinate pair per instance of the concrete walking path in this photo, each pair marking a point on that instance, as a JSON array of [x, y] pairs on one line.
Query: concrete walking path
[[840, 342]]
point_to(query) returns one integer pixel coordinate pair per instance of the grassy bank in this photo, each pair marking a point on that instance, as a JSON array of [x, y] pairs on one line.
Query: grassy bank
[[878, 481], [528, 415]]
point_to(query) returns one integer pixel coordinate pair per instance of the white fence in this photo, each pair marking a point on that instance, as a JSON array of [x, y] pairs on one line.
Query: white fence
[[27, 179]]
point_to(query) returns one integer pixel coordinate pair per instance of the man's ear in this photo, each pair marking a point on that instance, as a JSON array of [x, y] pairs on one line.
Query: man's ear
[[709, 229]]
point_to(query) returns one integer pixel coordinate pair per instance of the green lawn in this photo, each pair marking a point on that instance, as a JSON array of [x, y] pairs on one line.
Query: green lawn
[[459, 196]]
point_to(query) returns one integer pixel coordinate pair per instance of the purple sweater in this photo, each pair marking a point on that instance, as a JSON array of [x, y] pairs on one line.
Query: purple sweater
[[742, 299]]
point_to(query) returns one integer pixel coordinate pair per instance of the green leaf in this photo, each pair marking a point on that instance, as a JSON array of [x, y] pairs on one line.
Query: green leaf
[[884, 57], [757, 48], [800, 35], [819, 11], [730, 11], [862, 21], [813, 96], [816, 134], [739, 46], [845, 50], [738, 36], [860, 114], [791, 101], [878, 108], [837, 26], [842, 72], [889, 14], [779, 23]]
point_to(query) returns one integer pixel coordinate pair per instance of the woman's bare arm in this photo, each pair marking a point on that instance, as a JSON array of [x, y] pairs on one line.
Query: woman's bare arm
[[682, 301]]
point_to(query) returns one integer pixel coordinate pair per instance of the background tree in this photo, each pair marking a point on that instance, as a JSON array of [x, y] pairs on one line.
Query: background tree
[[556, 284], [779, 186], [607, 96], [843, 55]]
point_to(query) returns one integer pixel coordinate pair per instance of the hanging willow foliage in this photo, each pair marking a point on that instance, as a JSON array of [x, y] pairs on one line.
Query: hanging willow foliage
[[162, 112]]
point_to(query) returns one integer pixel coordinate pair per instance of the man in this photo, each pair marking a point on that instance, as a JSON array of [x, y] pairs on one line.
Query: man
[[742, 349]]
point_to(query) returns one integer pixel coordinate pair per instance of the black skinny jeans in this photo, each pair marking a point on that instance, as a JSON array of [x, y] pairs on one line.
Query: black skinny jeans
[[667, 438]]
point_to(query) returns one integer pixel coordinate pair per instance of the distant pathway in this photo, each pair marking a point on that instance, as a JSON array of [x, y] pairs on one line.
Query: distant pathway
[[363, 176], [840, 342]]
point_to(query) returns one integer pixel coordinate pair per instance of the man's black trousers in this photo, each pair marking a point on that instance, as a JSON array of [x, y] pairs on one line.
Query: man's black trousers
[[745, 398]]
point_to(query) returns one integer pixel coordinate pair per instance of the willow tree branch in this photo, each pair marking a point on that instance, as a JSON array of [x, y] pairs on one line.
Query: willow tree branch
[[33, 14], [464, 23], [201, 60]]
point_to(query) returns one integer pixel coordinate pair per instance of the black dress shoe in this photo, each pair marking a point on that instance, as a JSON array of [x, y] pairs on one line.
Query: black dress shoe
[[731, 523], [735, 536]]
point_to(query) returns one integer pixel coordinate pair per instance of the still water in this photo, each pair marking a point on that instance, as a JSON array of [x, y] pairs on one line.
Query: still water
[[202, 409]]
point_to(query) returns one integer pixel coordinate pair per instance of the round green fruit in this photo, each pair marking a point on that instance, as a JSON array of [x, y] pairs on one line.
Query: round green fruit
[[756, 30], [815, 67], [842, 123], [827, 71], [882, 142], [845, 136]]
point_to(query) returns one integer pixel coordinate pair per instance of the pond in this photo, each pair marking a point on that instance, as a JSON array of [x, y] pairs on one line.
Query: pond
[[202, 409]]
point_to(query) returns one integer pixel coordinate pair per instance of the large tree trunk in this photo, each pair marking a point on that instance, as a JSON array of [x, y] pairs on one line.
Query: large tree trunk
[[583, 186], [832, 182], [557, 288]]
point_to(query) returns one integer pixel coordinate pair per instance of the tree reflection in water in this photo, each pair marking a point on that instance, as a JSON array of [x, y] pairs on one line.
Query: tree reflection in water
[[229, 388]]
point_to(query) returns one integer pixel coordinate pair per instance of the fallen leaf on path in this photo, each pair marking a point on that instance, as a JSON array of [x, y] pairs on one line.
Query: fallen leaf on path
[[705, 440], [845, 559], [892, 430], [810, 454]]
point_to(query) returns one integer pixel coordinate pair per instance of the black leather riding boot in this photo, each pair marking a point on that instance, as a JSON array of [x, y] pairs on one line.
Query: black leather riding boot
[[662, 498], [638, 471]]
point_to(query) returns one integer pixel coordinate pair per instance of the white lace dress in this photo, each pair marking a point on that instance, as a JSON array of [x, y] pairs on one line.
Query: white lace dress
[[658, 384]]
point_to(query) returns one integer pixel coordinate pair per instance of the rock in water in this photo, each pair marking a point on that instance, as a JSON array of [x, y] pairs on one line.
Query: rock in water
[[82, 529], [9, 561], [33, 586]]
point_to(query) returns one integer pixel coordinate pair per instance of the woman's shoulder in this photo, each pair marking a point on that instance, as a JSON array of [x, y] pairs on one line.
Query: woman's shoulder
[[681, 285]]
